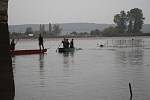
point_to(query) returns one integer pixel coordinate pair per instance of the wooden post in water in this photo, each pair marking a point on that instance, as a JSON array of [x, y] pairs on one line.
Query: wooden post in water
[[107, 43], [130, 89]]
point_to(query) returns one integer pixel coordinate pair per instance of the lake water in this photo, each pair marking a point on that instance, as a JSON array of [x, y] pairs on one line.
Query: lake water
[[93, 73]]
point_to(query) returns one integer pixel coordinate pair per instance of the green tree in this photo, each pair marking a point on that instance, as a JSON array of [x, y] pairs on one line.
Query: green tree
[[121, 21], [50, 28], [136, 20], [95, 32], [83, 34], [110, 31], [74, 33], [130, 22], [56, 29], [28, 30]]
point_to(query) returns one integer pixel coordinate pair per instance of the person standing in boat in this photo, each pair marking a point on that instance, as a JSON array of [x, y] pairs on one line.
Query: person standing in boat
[[67, 43], [71, 44], [64, 43], [12, 45], [41, 42]]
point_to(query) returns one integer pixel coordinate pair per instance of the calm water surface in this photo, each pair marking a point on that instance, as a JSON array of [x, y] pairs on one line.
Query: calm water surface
[[93, 73]]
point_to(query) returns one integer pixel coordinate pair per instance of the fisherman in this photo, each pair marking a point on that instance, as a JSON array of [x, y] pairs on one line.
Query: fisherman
[[71, 44], [64, 43], [12, 45], [41, 42], [67, 43]]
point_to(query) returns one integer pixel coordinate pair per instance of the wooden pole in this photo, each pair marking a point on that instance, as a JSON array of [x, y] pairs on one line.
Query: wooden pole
[[58, 46], [7, 89], [130, 89]]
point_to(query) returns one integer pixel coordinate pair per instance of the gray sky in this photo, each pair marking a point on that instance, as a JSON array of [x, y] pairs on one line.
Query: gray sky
[[71, 11]]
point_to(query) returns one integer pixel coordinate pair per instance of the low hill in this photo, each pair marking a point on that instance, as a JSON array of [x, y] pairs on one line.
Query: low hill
[[70, 27]]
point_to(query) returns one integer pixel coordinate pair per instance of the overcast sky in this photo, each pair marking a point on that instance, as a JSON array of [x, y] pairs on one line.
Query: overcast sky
[[71, 11]]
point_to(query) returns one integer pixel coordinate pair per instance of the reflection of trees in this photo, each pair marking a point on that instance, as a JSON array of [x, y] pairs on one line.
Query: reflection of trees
[[133, 56], [131, 68], [136, 56]]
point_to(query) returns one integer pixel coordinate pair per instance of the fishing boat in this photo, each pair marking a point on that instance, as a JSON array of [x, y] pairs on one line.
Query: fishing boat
[[28, 52], [61, 50]]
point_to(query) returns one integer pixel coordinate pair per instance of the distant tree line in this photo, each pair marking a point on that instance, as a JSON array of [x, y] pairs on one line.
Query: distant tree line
[[53, 30], [95, 32], [126, 23]]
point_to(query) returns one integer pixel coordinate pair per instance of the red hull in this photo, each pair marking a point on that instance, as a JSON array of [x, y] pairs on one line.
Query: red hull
[[27, 52]]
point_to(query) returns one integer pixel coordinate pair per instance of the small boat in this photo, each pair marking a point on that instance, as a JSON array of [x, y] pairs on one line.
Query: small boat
[[28, 52], [61, 50]]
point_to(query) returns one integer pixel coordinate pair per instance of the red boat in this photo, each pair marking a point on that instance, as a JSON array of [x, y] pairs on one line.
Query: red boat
[[28, 52]]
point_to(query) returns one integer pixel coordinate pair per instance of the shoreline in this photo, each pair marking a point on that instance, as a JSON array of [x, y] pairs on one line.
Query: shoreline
[[83, 38]]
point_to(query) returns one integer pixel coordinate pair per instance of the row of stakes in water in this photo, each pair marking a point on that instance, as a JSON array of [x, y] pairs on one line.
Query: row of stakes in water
[[122, 43]]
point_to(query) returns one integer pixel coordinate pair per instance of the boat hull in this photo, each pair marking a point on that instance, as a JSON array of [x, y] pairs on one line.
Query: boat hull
[[28, 52], [61, 50]]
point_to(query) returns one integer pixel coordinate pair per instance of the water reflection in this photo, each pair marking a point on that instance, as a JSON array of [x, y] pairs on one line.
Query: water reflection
[[42, 71], [41, 61], [13, 63], [84, 75], [68, 60], [130, 63], [132, 56], [136, 56], [67, 54], [130, 97]]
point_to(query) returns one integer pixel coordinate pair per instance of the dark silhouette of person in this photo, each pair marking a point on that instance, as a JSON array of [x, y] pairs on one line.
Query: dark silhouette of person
[[12, 45], [71, 44], [101, 45], [41, 42], [64, 43], [67, 43]]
